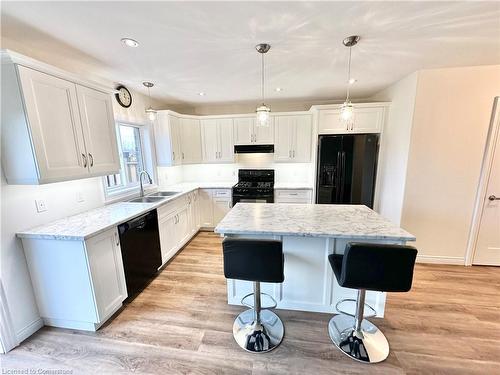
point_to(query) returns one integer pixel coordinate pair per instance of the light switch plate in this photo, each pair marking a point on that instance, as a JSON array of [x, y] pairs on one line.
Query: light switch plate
[[40, 205]]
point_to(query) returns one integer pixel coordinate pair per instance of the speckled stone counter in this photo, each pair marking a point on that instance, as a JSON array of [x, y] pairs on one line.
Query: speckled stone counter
[[310, 220]]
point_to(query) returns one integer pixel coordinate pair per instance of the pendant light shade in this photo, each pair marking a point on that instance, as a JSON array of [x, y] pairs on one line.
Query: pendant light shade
[[263, 110], [150, 111], [347, 109]]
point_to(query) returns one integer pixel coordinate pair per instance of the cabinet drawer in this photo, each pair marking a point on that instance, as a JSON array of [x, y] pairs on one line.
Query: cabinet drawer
[[293, 196], [171, 206], [222, 193]]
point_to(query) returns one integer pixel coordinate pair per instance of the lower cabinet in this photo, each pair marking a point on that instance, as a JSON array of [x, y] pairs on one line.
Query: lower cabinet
[[214, 205], [293, 196], [77, 284]]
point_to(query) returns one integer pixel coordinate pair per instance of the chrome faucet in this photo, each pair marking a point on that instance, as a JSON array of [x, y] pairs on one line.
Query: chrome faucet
[[144, 172]]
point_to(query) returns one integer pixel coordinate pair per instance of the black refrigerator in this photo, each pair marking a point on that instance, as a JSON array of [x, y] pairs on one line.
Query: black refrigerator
[[347, 166]]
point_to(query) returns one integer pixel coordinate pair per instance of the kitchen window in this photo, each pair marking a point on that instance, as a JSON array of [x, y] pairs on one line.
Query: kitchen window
[[134, 148]]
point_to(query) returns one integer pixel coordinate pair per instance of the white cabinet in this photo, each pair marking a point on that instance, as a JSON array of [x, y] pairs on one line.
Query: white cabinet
[[206, 208], [214, 204], [167, 139], [217, 140], [190, 141], [367, 119], [168, 239], [96, 113], [194, 212], [54, 129], [247, 133], [293, 196], [77, 284], [221, 207], [292, 138]]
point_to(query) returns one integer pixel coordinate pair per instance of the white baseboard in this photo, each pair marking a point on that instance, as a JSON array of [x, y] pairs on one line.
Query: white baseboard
[[30, 329], [437, 259]]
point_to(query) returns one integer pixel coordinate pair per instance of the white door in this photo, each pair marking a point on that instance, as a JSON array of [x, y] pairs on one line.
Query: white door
[[221, 207], [99, 130], [162, 137], [210, 140], [264, 135], [175, 140], [183, 230], [106, 269], [243, 130], [283, 137], [55, 125], [330, 122], [206, 208], [488, 240], [168, 239], [302, 134], [226, 143], [368, 120], [190, 140]]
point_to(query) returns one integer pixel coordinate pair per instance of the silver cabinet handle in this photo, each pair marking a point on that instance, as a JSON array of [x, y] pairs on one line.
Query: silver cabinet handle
[[493, 198], [84, 161], [216, 155], [117, 239], [91, 158], [173, 153], [182, 156], [293, 153]]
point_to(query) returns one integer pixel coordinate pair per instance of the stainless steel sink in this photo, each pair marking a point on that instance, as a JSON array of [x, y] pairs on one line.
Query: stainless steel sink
[[146, 199], [163, 194]]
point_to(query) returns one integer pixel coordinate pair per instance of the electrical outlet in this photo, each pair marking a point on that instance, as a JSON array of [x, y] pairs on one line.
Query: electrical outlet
[[79, 197], [40, 205]]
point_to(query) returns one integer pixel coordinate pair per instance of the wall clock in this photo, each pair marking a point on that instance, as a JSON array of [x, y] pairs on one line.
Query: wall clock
[[123, 96]]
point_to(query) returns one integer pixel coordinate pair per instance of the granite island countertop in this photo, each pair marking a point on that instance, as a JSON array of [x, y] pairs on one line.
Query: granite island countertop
[[310, 220]]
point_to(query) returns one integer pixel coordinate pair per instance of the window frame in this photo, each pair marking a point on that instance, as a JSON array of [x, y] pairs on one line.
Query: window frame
[[148, 158]]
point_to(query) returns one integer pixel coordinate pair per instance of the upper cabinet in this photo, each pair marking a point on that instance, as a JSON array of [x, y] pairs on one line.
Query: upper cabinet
[[167, 139], [190, 133], [368, 118], [217, 140], [246, 132], [54, 129], [292, 138]]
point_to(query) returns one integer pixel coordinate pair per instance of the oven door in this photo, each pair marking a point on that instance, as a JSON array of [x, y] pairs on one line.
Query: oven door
[[253, 198]]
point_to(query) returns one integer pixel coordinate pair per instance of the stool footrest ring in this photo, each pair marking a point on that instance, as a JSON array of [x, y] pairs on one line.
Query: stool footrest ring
[[373, 312], [263, 307]]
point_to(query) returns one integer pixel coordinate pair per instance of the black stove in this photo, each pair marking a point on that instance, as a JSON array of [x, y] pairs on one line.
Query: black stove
[[254, 185]]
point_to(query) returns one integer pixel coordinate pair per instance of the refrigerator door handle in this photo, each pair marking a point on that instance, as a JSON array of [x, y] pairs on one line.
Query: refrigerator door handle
[[342, 175], [337, 177]]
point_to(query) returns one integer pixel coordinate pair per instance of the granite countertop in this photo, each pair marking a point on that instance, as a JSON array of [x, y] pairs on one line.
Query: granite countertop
[[310, 220]]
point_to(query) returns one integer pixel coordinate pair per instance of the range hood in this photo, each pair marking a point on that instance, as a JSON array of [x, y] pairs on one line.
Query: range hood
[[253, 149]]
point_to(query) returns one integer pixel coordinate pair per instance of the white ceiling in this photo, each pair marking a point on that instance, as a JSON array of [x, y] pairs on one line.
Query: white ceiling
[[188, 47]]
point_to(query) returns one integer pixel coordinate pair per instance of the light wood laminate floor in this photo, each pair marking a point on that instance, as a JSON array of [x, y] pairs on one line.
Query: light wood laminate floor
[[181, 324]]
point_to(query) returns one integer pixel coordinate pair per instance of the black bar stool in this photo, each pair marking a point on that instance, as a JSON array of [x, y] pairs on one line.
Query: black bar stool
[[365, 266], [258, 329]]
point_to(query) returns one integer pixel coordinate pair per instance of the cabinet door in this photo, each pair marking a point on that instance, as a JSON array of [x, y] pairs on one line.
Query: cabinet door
[[196, 205], [206, 208], [106, 270], [190, 141], [168, 239], [99, 130], [56, 130], [283, 138], [221, 208], [302, 134], [368, 120], [210, 142], [330, 122], [162, 137], [243, 130], [182, 228], [226, 143], [264, 135], [175, 140]]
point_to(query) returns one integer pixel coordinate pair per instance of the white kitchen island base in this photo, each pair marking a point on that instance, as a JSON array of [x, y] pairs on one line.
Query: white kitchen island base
[[310, 284], [309, 234]]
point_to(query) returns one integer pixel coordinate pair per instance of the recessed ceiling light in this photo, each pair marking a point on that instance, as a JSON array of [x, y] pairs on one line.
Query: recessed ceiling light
[[201, 94], [352, 81], [130, 42], [278, 89]]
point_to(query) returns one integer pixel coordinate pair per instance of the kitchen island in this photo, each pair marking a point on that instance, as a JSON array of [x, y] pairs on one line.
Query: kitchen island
[[309, 233]]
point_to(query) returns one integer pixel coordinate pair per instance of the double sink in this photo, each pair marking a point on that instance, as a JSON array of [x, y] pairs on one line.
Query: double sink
[[155, 197]]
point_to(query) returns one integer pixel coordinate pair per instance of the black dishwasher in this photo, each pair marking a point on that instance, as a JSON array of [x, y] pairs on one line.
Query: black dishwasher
[[141, 253]]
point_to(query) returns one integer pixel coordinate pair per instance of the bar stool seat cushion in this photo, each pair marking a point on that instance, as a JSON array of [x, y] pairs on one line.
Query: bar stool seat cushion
[[253, 260], [378, 267]]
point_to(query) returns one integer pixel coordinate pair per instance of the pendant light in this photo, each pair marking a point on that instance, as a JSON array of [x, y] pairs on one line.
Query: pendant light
[[263, 110], [347, 109], [150, 111]]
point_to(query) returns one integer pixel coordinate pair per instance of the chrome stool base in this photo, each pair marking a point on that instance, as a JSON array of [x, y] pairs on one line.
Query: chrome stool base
[[258, 337], [368, 345]]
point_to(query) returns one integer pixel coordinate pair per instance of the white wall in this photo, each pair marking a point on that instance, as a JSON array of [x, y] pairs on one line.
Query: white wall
[[450, 123], [393, 158]]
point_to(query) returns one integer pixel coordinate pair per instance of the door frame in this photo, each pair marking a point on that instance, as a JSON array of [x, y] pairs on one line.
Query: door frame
[[487, 163]]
